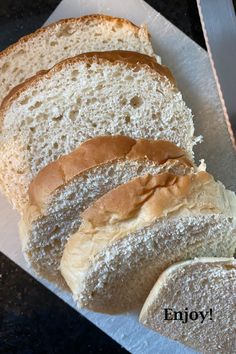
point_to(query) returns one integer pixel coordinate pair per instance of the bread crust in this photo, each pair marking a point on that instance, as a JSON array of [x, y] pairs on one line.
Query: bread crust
[[136, 205], [158, 192], [83, 19], [95, 152], [133, 59]]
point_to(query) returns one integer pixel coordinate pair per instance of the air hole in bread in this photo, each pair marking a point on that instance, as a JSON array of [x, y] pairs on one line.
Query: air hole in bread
[[140, 169], [29, 121], [78, 100], [42, 116], [111, 172], [58, 118], [53, 43], [36, 105], [71, 196], [116, 73], [100, 85], [156, 116], [127, 118], [136, 101], [203, 282], [24, 101], [5, 67], [19, 172], [120, 40], [20, 52], [60, 33], [123, 101], [55, 157], [92, 100], [32, 129], [74, 73], [38, 162], [55, 145], [128, 78], [66, 32], [73, 115]]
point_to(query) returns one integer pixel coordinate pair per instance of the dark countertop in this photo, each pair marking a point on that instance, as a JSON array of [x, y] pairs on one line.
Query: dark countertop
[[32, 319]]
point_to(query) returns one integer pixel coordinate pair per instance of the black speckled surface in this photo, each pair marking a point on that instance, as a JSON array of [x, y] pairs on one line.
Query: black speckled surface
[[32, 319]]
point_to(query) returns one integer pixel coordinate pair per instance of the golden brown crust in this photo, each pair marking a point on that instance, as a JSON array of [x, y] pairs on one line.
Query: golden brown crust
[[159, 151], [83, 19], [132, 59], [16, 90], [159, 192], [95, 152]]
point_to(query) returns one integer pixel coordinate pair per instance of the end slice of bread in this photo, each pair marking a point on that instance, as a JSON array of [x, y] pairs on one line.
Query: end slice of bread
[[90, 95], [67, 38], [206, 285], [66, 187], [134, 232]]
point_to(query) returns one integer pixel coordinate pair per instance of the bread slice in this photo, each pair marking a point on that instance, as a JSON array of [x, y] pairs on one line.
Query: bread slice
[[64, 188], [66, 38], [134, 232], [202, 284], [90, 95]]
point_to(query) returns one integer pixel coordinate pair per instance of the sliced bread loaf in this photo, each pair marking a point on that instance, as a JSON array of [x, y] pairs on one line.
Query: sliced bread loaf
[[89, 95], [64, 188], [66, 38], [206, 285], [134, 232]]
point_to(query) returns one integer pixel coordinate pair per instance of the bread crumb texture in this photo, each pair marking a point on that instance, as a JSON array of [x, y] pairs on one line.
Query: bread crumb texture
[[66, 38], [45, 228], [80, 99], [197, 285], [142, 228]]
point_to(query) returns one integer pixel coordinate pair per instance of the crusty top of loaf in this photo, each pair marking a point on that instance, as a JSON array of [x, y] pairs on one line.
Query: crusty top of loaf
[[79, 20], [95, 152], [158, 194], [132, 59], [136, 205]]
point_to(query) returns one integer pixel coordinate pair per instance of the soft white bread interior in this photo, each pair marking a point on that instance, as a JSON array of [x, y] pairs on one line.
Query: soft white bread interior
[[66, 38], [131, 234], [90, 95], [66, 187], [196, 285]]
